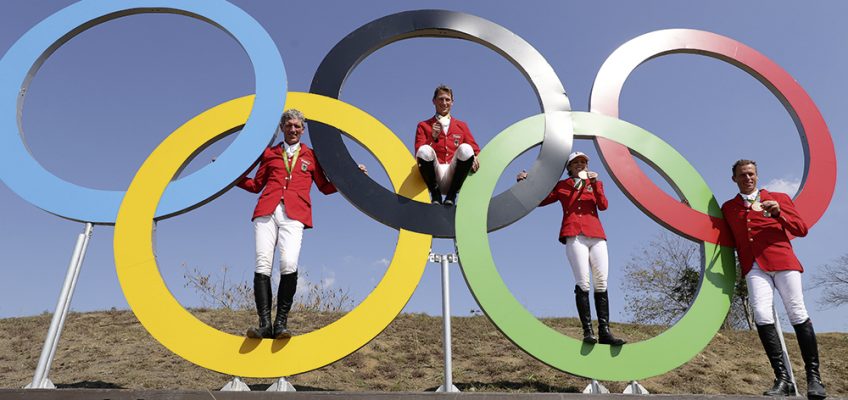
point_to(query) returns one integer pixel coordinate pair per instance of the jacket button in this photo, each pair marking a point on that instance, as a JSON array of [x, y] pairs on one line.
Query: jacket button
[[749, 229], [748, 220], [578, 207], [750, 239]]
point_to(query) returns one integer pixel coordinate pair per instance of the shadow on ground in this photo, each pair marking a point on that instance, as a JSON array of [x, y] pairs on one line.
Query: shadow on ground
[[89, 385], [261, 387], [510, 386]]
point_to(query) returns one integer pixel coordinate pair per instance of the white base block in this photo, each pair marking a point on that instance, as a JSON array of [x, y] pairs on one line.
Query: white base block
[[45, 384], [453, 389], [595, 388], [281, 385], [635, 388], [235, 385]]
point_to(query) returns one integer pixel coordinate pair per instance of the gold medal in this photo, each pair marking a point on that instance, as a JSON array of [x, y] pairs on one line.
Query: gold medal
[[757, 206], [583, 175]]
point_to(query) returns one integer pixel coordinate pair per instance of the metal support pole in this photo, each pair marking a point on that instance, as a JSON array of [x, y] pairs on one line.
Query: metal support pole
[[446, 259], [40, 380], [785, 351]]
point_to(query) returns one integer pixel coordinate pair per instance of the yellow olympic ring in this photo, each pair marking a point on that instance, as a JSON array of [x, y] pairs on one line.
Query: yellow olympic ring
[[184, 334]]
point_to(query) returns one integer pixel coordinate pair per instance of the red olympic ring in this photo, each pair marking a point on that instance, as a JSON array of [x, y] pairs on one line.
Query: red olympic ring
[[819, 152]]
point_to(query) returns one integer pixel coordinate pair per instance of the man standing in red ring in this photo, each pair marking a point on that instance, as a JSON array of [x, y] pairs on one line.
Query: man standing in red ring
[[761, 223], [284, 210], [445, 149]]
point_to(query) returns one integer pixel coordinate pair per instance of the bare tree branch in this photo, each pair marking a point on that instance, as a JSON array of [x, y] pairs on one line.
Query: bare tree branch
[[218, 291], [662, 280], [832, 279]]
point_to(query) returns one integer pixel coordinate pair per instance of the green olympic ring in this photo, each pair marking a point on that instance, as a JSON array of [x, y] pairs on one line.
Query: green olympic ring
[[633, 361]]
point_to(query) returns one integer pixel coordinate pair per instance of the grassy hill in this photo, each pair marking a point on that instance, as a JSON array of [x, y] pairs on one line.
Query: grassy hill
[[112, 350]]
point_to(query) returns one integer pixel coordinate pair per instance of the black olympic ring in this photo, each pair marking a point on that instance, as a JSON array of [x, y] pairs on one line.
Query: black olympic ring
[[400, 212]]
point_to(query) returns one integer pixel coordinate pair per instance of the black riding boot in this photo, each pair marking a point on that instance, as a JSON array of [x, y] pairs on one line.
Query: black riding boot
[[771, 343], [810, 353], [285, 298], [262, 294], [428, 172], [604, 334], [583, 310], [459, 175]]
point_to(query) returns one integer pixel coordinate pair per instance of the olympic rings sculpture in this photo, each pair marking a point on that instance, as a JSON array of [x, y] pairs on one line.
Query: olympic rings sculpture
[[152, 196]]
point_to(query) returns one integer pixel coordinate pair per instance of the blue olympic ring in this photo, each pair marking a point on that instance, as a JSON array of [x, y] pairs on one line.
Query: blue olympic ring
[[26, 177]]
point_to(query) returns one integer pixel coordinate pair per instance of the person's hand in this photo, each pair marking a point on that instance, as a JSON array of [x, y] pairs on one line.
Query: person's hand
[[772, 207], [475, 165], [593, 176], [363, 169], [521, 176], [437, 130]]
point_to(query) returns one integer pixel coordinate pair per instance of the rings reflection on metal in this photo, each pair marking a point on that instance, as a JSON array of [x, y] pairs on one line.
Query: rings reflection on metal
[[633, 361], [26, 177], [395, 210], [813, 196], [190, 338]]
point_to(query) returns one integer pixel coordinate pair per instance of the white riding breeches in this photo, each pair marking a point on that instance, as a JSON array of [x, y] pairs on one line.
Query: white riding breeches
[[588, 256], [445, 172], [280, 231], [761, 285]]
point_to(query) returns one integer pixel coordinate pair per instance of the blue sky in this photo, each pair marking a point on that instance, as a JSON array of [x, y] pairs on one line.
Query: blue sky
[[105, 99]]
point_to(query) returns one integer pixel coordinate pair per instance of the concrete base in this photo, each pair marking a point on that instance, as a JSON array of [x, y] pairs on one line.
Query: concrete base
[[46, 383]]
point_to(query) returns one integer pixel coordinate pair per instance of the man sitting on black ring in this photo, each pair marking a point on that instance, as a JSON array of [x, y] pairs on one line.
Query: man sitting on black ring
[[445, 150]]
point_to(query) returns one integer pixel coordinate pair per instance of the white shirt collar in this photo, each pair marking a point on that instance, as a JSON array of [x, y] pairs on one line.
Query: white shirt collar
[[290, 149], [750, 197], [445, 121]]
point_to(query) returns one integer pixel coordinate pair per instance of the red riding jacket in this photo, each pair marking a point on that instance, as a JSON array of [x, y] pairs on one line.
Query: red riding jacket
[[579, 208], [294, 192], [765, 239], [458, 133]]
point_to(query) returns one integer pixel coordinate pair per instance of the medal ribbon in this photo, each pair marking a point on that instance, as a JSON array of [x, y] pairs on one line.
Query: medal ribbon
[[578, 183], [751, 202], [291, 164]]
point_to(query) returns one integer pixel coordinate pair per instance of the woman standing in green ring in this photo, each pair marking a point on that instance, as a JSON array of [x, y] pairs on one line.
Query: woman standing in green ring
[[581, 197]]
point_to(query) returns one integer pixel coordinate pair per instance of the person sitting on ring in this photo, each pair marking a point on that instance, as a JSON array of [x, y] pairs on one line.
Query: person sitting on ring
[[445, 150]]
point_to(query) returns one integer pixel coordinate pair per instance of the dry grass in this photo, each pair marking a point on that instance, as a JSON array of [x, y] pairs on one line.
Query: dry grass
[[111, 350]]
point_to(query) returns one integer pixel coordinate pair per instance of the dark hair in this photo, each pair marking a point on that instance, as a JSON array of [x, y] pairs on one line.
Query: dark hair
[[442, 88], [743, 162]]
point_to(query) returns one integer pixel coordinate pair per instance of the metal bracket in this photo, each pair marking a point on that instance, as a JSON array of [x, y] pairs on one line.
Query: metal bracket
[[453, 389], [595, 388], [437, 258], [281, 385], [45, 383], [235, 385], [635, 388]]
